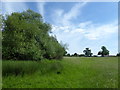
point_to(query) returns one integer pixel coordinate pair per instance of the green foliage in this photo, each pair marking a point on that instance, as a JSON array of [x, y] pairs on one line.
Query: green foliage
[[81, 55], [103, 52], [75, 55], [118, 54], [68, 55], [88, 52], [25, 37]]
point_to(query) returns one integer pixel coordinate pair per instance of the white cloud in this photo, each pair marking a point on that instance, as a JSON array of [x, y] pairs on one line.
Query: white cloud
[[78, 30], [84, 24], [100, 31], [40, 7], [87, 30], [62, 18], [73, 13], [79, 37], [83, 34], [59, 28]]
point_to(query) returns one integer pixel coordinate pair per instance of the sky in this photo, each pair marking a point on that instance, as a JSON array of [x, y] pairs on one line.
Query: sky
[[80, 25]]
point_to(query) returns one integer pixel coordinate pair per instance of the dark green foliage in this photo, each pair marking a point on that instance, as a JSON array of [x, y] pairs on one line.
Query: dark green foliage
[[95, 56], [88, 52], [118, 54], [82, 55], [103, 52], [26, 37], [75, 54], [68, 55]]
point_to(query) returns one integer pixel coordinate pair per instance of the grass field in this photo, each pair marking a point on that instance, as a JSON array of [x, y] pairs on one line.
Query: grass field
[[75, 72]]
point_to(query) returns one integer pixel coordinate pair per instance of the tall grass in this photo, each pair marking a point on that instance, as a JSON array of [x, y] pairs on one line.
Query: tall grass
[[29, 67], [83, 72]]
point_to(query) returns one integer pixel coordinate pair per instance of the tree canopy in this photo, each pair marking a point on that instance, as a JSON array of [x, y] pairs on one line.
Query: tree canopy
[[87, 52], [118, 54], [26, 37], [103, 52]]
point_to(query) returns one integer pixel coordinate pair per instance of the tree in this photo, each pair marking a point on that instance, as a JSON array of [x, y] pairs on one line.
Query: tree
[[22, 28], [118, 54], [26, 37], [68, 55], [75, 54], [87, 52], [103, 52]]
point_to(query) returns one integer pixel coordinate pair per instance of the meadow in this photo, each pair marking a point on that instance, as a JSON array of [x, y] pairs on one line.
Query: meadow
[[70, 72]]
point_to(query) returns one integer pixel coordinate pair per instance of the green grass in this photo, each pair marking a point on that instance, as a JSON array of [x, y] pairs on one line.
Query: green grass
[[83, 72], [20, 68]]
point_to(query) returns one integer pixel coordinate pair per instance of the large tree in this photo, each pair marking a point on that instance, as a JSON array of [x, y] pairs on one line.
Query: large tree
[[26, 37], [87, 52], [103, 52]]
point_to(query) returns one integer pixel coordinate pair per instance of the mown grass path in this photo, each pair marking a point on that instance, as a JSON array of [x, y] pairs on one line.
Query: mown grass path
[[76, 72]]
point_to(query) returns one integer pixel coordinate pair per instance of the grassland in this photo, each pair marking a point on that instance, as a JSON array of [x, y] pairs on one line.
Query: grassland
[[75, 72]]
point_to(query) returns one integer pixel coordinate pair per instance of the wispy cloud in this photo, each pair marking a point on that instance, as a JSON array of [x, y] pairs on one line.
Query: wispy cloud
[[64, 18], [83, 34], [86, 35], [95, 32], [89, 30], [40, 7], [73, 13]]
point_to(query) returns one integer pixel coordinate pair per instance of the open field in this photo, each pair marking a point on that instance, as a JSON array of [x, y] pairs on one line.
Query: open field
[[74, 72]]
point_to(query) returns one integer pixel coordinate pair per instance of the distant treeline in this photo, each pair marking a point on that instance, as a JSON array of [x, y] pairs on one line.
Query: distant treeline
[[83, 55], [25, 36], [87, 53]]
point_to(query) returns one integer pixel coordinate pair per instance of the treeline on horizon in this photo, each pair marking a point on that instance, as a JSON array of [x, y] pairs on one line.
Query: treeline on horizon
[[25, 36], [87, 53], [83, 55]]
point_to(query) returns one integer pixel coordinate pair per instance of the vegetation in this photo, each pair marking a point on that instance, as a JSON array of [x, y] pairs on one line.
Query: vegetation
[[81, 55], [103, 52], [34, 59], [118, 54], [26, 37], [88, 52], [75, 72], [21, 68]]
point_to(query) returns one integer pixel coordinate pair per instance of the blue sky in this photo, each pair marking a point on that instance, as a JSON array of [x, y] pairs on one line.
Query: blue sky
[[79, 24]]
